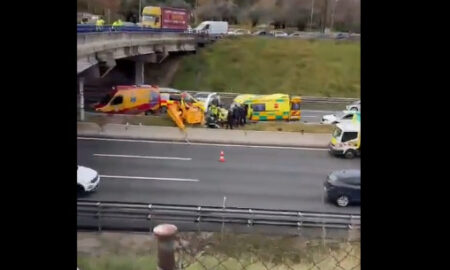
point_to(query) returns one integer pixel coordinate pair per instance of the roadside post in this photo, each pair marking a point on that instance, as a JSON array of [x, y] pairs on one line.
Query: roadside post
[[165, 233]]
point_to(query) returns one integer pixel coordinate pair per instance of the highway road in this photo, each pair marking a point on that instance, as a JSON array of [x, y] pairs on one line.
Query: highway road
[[94, 94], [314, 116], [181, 173]]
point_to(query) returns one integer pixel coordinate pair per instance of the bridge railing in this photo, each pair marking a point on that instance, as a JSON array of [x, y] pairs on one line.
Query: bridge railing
[[89, 28]]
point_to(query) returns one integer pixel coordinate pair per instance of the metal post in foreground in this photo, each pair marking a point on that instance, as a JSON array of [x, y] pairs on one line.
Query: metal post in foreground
[[165, 234], [312, 13], [81, 89]]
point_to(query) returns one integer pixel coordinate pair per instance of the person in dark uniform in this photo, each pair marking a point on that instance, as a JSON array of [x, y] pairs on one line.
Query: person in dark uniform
[[242, 113], [230, 119], [236, 115], [245, 113]]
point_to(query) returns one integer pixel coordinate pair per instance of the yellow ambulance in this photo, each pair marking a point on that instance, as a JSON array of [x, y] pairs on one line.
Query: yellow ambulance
[[271, 107]]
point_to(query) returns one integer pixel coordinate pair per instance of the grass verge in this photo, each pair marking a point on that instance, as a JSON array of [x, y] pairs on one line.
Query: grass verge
[[114, 251], [263, 66]]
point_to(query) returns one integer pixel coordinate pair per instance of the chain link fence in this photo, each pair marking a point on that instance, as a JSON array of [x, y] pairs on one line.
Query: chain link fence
[[258, 252]]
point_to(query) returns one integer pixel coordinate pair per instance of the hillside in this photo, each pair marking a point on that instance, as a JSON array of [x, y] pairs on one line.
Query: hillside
[[260, 65]]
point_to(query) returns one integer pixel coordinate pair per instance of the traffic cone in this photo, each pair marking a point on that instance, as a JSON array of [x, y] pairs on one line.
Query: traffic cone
[[222, 157]]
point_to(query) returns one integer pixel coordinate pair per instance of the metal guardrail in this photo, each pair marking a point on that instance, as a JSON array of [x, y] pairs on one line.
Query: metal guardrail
[[102, 211], [305, 99], [87, 28], [228, 95]]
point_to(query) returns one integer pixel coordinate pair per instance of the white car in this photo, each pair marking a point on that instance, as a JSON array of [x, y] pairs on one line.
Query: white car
[[278, 33], [87, 179], [207, 98], [355, 106], [338, 118], [169, 90], [238, 32]]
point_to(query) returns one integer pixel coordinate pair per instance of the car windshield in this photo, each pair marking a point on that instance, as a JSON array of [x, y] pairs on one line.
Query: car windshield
[[149, 18], [202, 96], [337, 133], [106, 99], [295, 106]]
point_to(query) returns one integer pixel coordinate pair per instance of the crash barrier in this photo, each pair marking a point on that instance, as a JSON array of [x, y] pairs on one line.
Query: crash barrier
[[96, 93], [86, 28], [305, 99], [112, 215]]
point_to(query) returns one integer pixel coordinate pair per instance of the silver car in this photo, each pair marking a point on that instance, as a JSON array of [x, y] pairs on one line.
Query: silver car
[[355, 106]]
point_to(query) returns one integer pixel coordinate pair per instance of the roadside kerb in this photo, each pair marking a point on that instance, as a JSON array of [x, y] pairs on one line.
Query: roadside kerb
[[199, 135]]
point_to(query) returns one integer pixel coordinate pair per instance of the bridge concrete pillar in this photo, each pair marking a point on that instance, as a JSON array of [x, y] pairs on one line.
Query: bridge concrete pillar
[[139, 72], [81, 90]]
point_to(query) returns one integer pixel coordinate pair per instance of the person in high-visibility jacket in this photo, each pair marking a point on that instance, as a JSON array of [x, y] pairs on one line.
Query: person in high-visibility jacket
[[99, 24], [117, 24], [214, 110]]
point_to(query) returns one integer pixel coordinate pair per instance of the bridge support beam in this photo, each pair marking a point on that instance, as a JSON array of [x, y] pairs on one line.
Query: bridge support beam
[[139, 72], [81, 90]]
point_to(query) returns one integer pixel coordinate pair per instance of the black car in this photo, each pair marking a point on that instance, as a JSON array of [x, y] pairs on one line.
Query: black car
[[343, 187], [262, 33]]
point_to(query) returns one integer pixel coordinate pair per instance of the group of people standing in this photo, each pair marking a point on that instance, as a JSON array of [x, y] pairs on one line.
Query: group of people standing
[[237, 115]]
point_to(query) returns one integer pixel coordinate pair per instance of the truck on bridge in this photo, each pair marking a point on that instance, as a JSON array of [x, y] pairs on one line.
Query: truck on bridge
[[165, 18]]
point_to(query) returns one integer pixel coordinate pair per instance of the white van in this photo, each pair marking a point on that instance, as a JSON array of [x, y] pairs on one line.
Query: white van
[[346, 140], [218, 28]]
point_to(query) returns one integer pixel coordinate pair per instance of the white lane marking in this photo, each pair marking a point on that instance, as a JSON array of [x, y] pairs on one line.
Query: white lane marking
[[147, 157], [211, 144], [318, 111], [149, 178]]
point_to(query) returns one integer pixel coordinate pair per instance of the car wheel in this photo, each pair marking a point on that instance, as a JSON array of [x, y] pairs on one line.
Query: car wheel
[[354, 109], [349, 154], [342, 201]]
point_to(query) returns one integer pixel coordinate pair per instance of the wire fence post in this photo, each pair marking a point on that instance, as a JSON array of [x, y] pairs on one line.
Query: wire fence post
[[165, 233]]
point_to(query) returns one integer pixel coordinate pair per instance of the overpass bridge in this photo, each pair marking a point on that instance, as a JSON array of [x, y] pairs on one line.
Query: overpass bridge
[[103, 48], [98, 49]]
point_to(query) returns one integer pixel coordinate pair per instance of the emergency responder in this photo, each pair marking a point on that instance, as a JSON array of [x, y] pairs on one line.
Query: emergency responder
[[230, 119], [242, 115], [245, 113], [236, 115], [214, 110], [223, 113], [117, 24], [99, 24]]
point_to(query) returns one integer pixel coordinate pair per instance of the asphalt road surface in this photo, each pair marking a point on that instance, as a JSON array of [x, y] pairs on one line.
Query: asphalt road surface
[[179, 173], [314, 116]]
